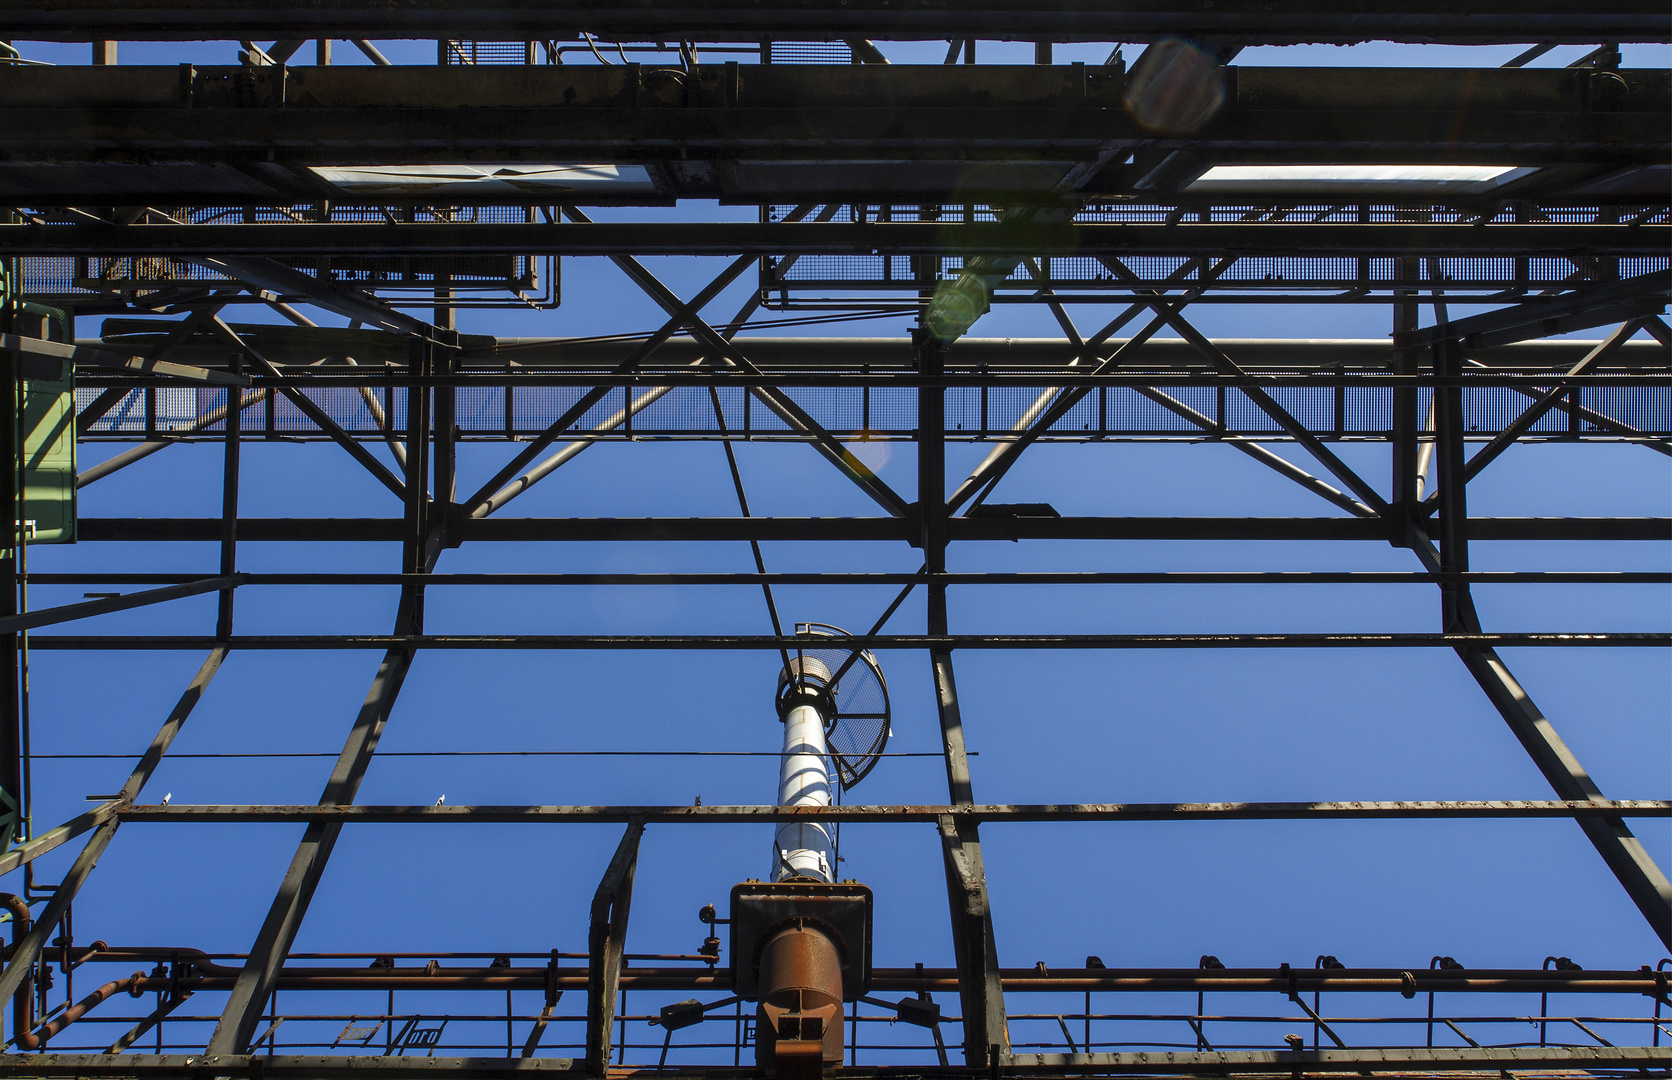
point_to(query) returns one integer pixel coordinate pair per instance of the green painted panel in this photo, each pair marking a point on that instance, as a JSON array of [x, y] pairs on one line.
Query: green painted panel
[[49, 457]]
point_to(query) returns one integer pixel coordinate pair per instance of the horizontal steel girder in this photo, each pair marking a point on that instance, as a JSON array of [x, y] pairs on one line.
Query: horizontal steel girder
[[1210, 1063], [656, 815], [654, 642], [1274, 21], [850, 529], [1043, 577], [849, 357], [771, 133], [208, 974], [834, 238]]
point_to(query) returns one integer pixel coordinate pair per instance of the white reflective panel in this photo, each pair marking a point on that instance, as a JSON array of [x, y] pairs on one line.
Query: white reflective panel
[[477, 180], [1364, 178]]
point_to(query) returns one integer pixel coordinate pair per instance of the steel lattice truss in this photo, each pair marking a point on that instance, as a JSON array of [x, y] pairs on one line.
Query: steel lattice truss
[[169, 198]]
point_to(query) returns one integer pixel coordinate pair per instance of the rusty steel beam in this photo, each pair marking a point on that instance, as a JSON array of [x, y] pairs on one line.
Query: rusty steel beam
[[1201, 1063], [606, 945], [731, 239], [1275, 22], [421, 546], [199, 972], [966, 812], [23, 955], [838, 577], [850, 529], [1452, 640]]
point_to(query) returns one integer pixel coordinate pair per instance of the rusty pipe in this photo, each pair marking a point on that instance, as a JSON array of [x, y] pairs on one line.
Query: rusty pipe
[[202, 974], [23, 1002], [798, 1020], [35, 1040]]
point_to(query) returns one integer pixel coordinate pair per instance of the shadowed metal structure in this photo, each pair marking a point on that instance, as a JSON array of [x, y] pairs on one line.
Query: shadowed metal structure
[[167, 199]]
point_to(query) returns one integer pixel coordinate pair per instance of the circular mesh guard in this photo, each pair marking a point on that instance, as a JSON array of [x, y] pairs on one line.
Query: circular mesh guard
[[860, 727]]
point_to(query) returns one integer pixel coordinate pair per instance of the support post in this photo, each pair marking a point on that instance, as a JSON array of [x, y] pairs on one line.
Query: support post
[[1407, 417], [1624, 854], [11, 713], [420, 550], [980, 992], [229, 505], [606, 942], [445, 402]]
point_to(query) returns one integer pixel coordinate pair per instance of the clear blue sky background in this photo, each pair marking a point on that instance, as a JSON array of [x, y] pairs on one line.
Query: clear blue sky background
[[1064, 726]]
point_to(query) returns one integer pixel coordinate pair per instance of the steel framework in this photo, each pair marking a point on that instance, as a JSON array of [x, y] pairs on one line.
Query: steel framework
[[167, 198]]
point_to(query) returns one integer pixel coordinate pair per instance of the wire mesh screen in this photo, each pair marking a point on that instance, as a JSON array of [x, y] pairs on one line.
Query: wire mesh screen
[[808, 52], [861, 723], [857, 414], [69, 280], [1362, 278], [487, 52]]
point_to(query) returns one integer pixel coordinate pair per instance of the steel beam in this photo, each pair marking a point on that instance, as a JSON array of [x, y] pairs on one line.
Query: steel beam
[[23, 955], [313, 412], [730, 239], [838, 577], [1045, 118], [483, 506], [522, 530], [986, 1034], [1595, 305], [828, 446], [957, 814], [1283, 466], [12, 739], [1280, 22], [486, 360], [1040, 418], [421, 547], [255, 982], [207, 975], [986, 641], [506, 484], [230, 477], [11, 624], [54, 838], [87, 356], [151, 446], [1491, 1061], [606, 945], [1262, 400], [1523, 423], [1625, 855]]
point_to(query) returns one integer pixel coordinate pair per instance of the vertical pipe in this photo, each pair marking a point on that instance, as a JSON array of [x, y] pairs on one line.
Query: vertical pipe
[[803, 848]]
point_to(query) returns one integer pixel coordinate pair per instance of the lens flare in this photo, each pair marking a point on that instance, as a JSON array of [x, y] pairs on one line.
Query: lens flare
[[1175, 87]]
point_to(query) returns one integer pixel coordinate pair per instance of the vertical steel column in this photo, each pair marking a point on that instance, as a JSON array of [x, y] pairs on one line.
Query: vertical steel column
[[1407, 412], [1456, 605], [420, 549], [606, 941], [1625, 855], [986, 1034], [11, 713], [229, 501], [445, 398]]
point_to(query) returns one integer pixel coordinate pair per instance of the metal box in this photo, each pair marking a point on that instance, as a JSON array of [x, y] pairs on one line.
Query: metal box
[[757, 907]]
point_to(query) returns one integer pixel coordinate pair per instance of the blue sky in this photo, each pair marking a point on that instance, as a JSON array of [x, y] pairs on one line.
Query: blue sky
[[1046, 726]]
